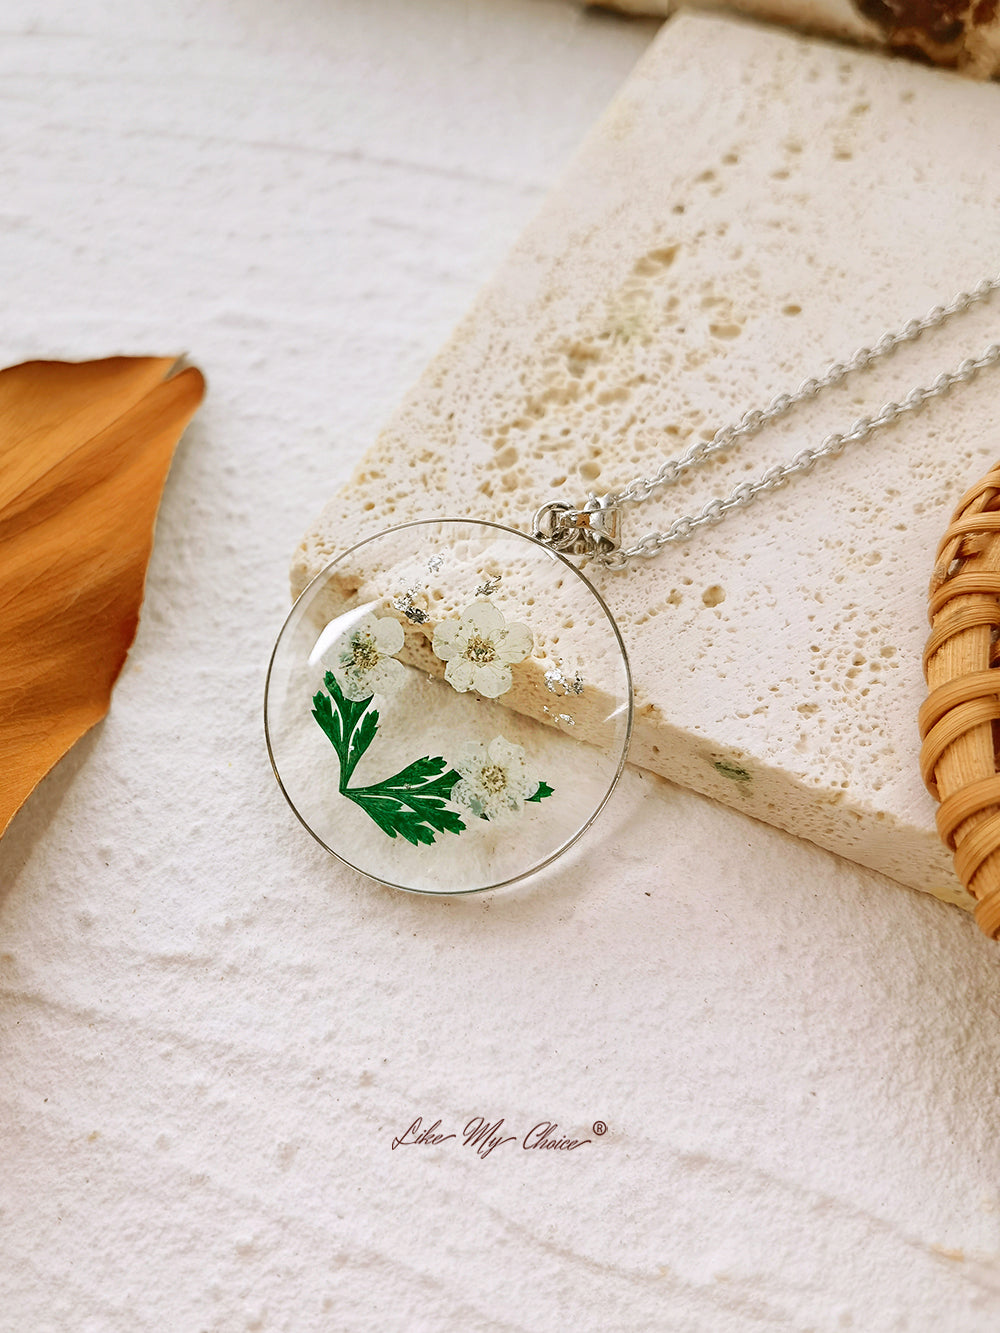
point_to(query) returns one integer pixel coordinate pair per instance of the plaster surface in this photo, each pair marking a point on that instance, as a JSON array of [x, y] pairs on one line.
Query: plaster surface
[[210, 1033]]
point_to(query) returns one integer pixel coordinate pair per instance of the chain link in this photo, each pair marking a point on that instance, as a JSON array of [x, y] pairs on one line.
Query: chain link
[[672, 469]]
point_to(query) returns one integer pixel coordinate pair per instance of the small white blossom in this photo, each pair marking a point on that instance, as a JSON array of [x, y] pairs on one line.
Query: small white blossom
[[363, 659], [495, 781], [480, 648]]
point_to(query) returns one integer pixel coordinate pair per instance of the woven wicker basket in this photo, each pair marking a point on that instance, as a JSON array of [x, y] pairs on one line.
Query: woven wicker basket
[[960, 719]]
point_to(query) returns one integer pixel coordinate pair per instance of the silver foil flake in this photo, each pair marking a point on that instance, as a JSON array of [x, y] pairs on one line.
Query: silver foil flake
[[404, 604], [434, 563], [558, 682], [488, 588], [564, 718]]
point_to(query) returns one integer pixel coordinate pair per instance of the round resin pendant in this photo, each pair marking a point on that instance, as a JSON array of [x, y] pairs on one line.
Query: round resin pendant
[[448, 706]]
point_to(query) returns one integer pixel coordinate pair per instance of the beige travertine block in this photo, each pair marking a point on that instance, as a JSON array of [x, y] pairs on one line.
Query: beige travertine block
[[752, 206], [964, 34]]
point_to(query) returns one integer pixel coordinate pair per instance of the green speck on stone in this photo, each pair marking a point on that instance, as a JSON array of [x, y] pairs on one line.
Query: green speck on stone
[[732, 771]]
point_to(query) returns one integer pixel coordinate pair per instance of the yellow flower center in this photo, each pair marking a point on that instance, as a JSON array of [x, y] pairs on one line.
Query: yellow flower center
[[480, 650], [364, 654], [493, 778]]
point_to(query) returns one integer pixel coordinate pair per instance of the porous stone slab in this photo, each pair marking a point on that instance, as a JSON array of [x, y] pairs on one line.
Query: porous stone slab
[[752, 206]]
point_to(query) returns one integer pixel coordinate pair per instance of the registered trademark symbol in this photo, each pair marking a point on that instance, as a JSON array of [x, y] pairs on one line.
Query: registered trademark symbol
[[600, 1128]]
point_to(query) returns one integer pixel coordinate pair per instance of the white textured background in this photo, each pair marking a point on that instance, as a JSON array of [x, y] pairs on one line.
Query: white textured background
[[209, 1032]]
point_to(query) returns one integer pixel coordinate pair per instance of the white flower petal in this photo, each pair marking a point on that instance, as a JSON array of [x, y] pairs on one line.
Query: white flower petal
[[470, 760], [491, 680], [360, 636], [336, 638], [502, 751], [483, 618], [388, 636], [460, 673], [480, 766], [499, 809], [516, 644], [387, 676], [445, 642], [352, 686]]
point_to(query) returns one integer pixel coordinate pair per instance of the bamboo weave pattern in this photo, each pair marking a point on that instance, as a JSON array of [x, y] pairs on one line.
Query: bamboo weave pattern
[[960, 719]]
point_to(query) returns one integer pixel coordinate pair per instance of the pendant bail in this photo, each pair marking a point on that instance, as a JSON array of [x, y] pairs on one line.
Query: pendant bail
[[593, 530]]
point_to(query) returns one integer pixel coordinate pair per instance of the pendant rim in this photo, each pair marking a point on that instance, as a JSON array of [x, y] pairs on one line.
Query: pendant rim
[[625, 745]]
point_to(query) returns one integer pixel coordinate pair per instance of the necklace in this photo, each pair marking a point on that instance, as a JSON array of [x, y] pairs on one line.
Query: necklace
[[449, 703]]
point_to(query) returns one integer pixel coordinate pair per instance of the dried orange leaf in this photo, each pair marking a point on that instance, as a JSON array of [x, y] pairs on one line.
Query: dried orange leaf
[[84, 452]]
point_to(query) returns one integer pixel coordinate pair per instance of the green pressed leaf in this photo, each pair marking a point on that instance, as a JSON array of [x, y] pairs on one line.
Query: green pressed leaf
[[412, 803], [349, 709], [347, 737], [413, 817], [414, 775], [363, 737], [323, 713], [543, 790]]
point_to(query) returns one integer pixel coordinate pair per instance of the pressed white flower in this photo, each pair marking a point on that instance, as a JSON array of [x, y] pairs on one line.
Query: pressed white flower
[[480, 648], [494, 781], [363, 659]]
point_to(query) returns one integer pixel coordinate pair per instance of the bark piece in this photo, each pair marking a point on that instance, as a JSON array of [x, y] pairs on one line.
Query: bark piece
[[959, 34]]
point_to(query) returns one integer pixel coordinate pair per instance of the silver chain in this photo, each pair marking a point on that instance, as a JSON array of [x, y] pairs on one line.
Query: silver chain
[[593, 528]]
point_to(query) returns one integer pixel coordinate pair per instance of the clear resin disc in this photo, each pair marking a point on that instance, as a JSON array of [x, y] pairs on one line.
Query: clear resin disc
[[448, 706]]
